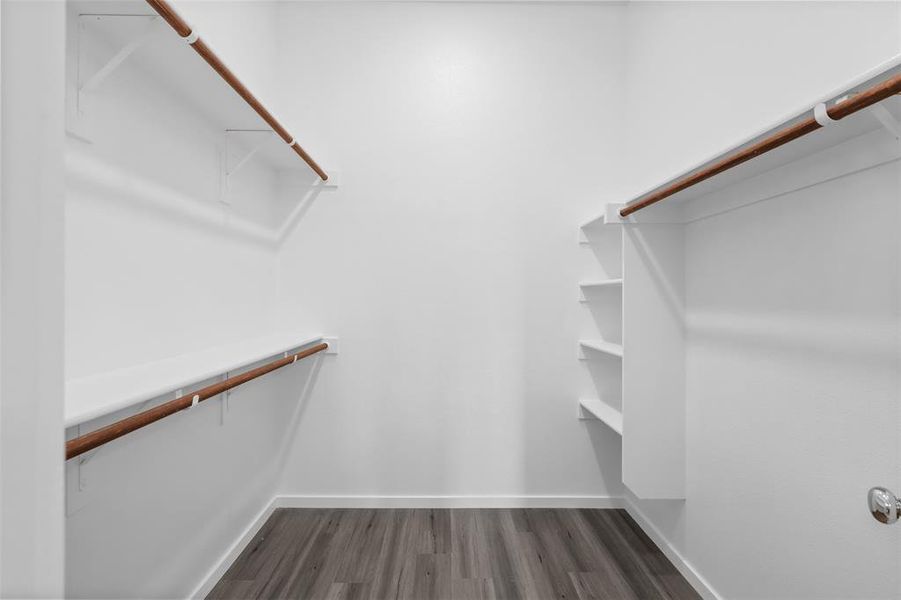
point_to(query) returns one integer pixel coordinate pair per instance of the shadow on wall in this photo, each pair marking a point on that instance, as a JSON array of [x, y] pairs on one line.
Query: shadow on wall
[[305, 382], [290, 214], [93, 180]]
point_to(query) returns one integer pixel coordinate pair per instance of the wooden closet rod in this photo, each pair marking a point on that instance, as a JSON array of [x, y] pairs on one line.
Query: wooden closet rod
[[181, 27], [853, 104], [89, 441]]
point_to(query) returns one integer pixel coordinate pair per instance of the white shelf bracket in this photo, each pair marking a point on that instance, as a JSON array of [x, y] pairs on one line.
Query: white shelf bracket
[[79, 70], [77, 479], [76, 487], [82, 476], [224, 401], [821, 115], [147, 35], [244, 160], [886, 119], [228, 170]]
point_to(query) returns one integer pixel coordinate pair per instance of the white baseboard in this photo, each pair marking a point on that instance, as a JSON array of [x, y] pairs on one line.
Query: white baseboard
[[297, 501], [684, 567]]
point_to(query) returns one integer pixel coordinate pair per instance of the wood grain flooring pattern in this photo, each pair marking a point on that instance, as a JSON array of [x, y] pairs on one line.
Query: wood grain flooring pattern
[[452, 554]]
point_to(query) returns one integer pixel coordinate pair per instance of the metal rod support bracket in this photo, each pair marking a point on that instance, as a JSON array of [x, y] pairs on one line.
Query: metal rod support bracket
[[822, 115]]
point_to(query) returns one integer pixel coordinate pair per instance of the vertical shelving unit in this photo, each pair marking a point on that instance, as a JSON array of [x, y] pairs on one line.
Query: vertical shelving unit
[[641, 334], [602, 354], [654, 369]]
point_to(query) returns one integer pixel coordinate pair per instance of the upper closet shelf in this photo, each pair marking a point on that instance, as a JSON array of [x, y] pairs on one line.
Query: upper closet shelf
[[96, 395], [157, 41], [864, 105]]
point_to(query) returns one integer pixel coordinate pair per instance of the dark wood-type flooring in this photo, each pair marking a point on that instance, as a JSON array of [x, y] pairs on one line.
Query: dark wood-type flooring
[[451, 554]]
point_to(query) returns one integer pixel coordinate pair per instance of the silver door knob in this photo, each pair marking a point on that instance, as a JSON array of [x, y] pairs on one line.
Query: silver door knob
[[883, 505]]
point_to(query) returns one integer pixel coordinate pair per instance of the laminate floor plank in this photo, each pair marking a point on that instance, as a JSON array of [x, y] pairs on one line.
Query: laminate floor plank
[[468, 557], [538, 580], [598, 569], [506, 561], [432, 579], [257, 555], [593, 586], [452, 554], [233, 588], [472, 589], [360, 560], [313, 577], [297, 542], [348, 591], [396, 562], [671, 579], [637, 572]]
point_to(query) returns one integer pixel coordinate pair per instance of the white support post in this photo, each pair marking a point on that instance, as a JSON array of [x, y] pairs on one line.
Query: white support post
[[223, 400]]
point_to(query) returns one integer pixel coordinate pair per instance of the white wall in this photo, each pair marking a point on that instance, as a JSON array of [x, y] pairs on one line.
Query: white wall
[[138, 267], [156, 266], [471, 138], [792, 387], [792, 304], [31, 352]]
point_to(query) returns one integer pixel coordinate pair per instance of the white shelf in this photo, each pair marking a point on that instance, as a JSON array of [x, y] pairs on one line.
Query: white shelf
[[602, 412], [601, 283], [96, 395], [602, 346]]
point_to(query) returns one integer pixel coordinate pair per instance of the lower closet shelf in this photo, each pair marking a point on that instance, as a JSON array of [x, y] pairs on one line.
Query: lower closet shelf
[[603, 412], [96, 395]]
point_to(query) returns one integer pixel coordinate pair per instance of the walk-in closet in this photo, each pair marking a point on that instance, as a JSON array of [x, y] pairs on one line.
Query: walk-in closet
[[450, 299]]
